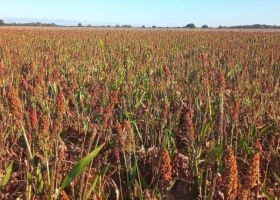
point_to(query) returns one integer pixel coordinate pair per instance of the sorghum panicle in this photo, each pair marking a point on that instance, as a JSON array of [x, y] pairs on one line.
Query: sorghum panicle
[[63, 195], [227, 58], [231, 175], [27, 86], [253, 171], [221, 80], [14, 103], [60, 105], [56, 74], [204, 59], [129, 135], [167, 73], [120, 136], [236, 112], [40, 78], [33, 118], [44, 127], [95, 96], [165, 111], [242, 194], [57, 127], [71, 90], [188, 124], [109, 109], [165, 168]]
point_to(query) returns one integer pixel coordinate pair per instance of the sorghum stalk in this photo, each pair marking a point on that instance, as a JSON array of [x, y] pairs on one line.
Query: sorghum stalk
[[221, 133]]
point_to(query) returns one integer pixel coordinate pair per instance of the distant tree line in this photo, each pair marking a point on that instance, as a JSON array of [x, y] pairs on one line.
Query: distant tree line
[[126, 26], [254, 26], [26, 24]]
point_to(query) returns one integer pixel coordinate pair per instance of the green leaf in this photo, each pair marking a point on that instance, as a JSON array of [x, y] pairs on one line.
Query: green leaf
[[268, 195], [80, 167], [7, 175], [39, 180], [139, 101], [143, 181], [139, 190], [276, 177], [204, 131]]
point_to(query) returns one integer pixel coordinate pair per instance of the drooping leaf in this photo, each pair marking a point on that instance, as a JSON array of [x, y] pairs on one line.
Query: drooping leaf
[[80, 167]]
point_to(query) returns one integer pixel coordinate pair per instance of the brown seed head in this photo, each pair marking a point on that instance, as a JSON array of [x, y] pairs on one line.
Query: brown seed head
[[44, 137], [120, 135], [60, 105], [23, 83], [236, 111], [57, 127], [109, 109], [44, 127], [165, 168], [33, 118], [14, 103], [253, 172], [95, 96], [71, 89], [63, 195], [27, 86], [231, 175], [221, 80], [167, 73], [40, 78], [242, 194], [204, 59], [114, 97], [188, 124], [117, 155], [227, 58], [129, 135], [56, 75], [165, 111]]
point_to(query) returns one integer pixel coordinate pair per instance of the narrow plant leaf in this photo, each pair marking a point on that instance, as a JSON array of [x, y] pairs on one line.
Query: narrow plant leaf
[[39, 180], [80, 167], [276, 177], [7, 175], [268, 195], [139, 191]]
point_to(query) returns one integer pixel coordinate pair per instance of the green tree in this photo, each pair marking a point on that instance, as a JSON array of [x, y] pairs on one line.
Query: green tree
[[191, 25], [143, 26], [205, 26], [126, 26], [80, 25], [2, 22]]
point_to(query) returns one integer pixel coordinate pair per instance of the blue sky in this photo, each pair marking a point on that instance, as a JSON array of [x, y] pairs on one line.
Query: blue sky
[[144, 12]]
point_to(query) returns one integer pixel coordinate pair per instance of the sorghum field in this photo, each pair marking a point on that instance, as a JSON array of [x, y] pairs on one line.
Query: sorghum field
[[139, 114]]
